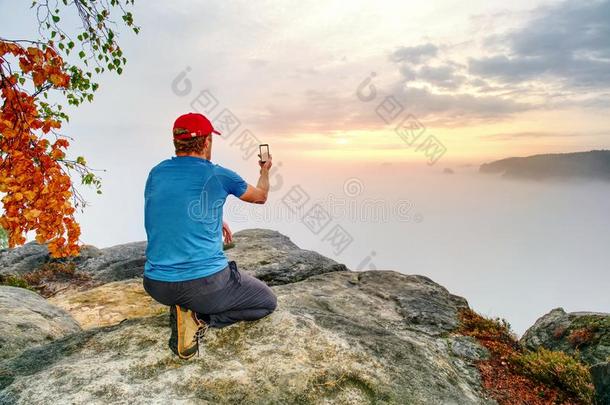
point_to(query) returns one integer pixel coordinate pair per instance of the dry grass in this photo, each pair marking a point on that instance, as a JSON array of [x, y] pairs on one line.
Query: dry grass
[[514, 376], [43, 279]]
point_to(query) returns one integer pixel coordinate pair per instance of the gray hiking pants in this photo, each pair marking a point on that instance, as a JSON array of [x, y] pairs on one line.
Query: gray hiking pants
[[221, 299]]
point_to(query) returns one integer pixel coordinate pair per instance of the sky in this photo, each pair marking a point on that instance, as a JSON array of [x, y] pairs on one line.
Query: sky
[[487, 79], [372, 100]]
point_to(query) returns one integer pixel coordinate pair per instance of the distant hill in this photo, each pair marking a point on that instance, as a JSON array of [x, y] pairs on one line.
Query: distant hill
[[580, 165]]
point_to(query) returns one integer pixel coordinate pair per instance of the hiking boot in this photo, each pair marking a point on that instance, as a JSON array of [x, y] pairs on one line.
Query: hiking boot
[[187, 331]]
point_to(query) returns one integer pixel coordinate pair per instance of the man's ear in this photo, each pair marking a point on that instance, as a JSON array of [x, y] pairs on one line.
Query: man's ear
[[207, 142]]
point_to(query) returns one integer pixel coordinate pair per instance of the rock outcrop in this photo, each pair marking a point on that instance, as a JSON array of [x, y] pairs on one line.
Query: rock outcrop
[[272, 257], [28, 320], [23, 259], [338, 337], [108, 304], [268, 255], [583, 334], [600, 374]]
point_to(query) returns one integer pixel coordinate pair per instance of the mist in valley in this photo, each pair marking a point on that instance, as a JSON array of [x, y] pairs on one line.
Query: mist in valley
[[513, 248]]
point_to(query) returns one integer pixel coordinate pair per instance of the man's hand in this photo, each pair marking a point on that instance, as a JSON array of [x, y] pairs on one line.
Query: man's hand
[[265, 165], [226, 233], [258, 194]]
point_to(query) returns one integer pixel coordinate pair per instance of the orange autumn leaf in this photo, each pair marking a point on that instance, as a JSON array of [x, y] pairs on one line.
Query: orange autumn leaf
[[31, 214], [38, 78], [37, 191], [57, 80]]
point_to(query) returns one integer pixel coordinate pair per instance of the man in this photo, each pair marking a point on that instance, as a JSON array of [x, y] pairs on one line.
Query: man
[[186, 267]]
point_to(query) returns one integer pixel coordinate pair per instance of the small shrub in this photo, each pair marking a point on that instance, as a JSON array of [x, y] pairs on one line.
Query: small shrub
[[53, 271], [495, 332], [557, 369], [14, 281], [476, 324], [581, 336], [50, 274]]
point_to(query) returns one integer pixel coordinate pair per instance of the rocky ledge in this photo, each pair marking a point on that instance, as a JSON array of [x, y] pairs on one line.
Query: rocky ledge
[[267, 254], [338, 336]]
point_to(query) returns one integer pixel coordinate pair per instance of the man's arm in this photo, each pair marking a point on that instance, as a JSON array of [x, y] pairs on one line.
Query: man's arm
[[258, 194]]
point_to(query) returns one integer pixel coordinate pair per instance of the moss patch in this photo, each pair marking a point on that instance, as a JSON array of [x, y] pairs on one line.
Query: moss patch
[[15, 281]]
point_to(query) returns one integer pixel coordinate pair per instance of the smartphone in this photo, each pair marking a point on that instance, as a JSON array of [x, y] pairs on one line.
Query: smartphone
[[264, 152]]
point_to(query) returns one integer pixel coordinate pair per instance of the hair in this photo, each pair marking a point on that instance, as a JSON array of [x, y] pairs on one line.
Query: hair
[[190, 145]]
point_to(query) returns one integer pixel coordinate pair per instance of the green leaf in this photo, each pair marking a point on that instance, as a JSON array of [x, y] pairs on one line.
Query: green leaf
[[55, 18]]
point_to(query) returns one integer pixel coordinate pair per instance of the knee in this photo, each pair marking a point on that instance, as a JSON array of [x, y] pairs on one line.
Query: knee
[[272, 301]]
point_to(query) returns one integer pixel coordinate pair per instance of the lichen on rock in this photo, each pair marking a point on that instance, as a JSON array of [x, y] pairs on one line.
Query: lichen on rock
[[27, 320]]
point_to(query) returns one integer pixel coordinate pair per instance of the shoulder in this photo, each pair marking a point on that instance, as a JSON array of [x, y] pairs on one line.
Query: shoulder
[[224, 171], [161, 165]]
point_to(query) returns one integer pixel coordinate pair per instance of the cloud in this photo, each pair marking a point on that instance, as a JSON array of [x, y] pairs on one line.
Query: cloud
[[531, 135], [313, 111], [444, 76], [513, 136], [559, 57], [454, 108], [444, 91], [414, 54], [568, 42], [413, 66], [508, 69], [407, 72], [256, 63]]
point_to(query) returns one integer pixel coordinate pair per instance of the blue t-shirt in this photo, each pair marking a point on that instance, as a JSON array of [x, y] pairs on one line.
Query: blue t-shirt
[[183, 203]]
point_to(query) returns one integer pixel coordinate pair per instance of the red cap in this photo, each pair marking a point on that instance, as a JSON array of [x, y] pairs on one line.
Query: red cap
[[191, 125]]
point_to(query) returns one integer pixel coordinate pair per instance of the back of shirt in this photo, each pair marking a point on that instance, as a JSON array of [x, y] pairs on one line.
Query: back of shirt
[[183, 203]]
